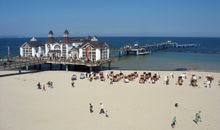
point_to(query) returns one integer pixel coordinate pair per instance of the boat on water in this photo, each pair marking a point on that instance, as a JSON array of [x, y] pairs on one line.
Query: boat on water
[[136, 50], [143, 52]]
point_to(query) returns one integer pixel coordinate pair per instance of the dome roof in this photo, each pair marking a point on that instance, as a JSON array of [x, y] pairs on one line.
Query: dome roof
[[50, 32], [66, 32], [33, 39]]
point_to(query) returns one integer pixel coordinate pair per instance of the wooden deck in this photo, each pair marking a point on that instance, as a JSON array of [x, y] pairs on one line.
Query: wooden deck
[[17, 63]]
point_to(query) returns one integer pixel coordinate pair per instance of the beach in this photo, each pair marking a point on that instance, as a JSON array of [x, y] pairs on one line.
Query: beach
[[130, 106]]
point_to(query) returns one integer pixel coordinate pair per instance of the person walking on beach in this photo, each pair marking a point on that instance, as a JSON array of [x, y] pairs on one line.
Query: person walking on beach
[[171, 75], [38, 85], [102, 109], [48, 84], [111, 81], [166, 80], [173, 122], [51, 84], [44, 88], [197, 117], [73, 84], [106, 114], [176, 104], [90, 108]]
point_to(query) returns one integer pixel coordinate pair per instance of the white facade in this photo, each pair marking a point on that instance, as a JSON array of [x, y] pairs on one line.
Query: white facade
[[31, 49], [98, 56], [87, 49], [80, 53], [21, 52]]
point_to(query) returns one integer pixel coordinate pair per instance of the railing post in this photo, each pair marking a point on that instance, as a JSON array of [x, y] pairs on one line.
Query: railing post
[[50, 66], [109, 65], [67, 67], [26, 67], [39, 66], [90, 68], [101, 67], [61, 66]]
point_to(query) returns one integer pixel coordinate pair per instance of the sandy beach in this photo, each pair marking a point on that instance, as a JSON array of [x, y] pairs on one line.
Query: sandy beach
[[130, 106]]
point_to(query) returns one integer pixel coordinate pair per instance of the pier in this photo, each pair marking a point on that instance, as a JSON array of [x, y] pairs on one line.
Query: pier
[[148, 48], [16, 63]]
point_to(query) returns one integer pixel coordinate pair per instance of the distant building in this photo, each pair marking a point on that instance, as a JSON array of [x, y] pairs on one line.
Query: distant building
[[89, 48], [32, 49]]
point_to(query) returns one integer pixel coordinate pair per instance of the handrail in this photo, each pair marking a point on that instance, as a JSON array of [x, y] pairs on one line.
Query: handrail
[[19, 62]]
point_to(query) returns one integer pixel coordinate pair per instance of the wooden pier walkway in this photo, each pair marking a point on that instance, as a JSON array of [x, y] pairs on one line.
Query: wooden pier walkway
[[152, 47], [168, 44], [18, 63]]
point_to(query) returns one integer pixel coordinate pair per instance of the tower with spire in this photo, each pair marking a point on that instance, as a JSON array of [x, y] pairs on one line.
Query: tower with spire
[[66, 36], [50, 34], [66, 33]]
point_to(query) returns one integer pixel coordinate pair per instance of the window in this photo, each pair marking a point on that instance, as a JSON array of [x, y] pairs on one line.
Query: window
[[104, 53], [89, 52], [64, 50], [56, 47], [27, 50]]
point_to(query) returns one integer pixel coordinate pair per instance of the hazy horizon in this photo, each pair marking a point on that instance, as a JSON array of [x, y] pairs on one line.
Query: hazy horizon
[[11, 36]]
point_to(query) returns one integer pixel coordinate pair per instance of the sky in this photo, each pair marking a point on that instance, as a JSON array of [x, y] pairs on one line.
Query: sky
[[180, 18]]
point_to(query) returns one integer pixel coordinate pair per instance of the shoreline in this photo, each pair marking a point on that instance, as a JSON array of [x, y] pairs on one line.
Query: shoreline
[[16, 72]]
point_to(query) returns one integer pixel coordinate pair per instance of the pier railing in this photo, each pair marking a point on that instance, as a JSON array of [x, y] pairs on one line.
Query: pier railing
[[19, 62], [151, 47], [76, 61]]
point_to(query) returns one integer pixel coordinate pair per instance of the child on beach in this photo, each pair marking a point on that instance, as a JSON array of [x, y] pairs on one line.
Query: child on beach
[[51, 84], [106, 114], [197, 117], [176, 105], [73, 84], [90, 108], [173, 122], [166, 80], [90, 79], [171, 75], [48, 84], [38, 85], [111, 81], [102, 109]]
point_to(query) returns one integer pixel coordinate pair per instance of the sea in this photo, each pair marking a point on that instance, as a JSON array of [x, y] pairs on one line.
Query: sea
[[205, 57]]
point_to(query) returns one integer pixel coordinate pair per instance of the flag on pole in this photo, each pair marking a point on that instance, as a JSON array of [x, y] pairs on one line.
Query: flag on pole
[[8, 51]]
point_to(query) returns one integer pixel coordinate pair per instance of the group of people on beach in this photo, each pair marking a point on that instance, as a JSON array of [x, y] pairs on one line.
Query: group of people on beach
[[180, 79], [149, 77], [120, 76], [193, 80], [43, 87], [145, 77], [102, 109]]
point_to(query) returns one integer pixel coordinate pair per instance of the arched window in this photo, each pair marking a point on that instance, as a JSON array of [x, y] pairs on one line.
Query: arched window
[[89, 52], [56, 47], [64, 50]]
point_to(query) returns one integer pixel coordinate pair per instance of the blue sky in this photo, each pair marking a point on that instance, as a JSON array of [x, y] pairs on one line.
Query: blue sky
[[110, 17]]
